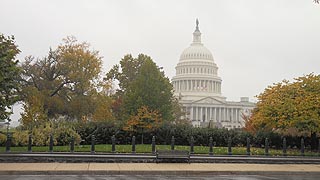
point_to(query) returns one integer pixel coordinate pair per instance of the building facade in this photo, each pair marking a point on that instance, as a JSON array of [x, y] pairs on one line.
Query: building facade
[[198, 88]]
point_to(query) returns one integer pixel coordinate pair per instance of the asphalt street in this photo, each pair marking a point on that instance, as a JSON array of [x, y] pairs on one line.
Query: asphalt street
[[149, 177]]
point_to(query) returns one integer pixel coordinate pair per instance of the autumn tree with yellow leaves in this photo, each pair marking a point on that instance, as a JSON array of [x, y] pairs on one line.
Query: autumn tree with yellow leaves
[[290, 108], [145, 120], [64, 86]]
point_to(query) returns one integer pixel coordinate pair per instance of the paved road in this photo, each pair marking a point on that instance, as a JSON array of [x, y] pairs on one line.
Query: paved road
[[140, 177]]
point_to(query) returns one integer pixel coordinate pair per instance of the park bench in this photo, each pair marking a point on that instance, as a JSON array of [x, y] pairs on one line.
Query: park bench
[[172, 155]]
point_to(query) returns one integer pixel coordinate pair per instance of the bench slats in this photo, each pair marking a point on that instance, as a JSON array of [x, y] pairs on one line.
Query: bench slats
[[172, 154]]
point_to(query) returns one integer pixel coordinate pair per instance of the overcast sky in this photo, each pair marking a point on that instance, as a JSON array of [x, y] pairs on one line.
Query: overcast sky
[[255, 43]]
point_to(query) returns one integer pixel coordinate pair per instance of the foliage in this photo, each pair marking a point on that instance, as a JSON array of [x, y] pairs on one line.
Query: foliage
[[67, 84], [3, 139], [146, 120], [150, 88], [102, 130], [127, 72], [9, 75], [20, 138], [34, 114], [124, 73], [102, 110], [64, 131], [288, 107], [141, 83]]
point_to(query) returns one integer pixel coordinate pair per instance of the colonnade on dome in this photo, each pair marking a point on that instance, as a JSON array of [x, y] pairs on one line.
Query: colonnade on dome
[[197, 85]]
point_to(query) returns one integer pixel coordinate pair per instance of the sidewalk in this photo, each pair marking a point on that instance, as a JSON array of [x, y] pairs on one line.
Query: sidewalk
[[156, 169]]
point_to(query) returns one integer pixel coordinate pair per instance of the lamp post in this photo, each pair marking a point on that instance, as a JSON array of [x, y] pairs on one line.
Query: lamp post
[[7, 124]]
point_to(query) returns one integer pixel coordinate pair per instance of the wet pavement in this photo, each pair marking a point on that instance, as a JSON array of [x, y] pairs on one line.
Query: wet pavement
[[156, 177]]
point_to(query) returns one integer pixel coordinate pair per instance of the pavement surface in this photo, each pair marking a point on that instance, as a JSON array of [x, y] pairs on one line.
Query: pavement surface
[[157, 177], [176, 169]]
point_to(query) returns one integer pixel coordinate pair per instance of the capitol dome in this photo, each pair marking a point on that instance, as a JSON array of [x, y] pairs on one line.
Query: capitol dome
[[196, 72], [196, 51], [198, 89]]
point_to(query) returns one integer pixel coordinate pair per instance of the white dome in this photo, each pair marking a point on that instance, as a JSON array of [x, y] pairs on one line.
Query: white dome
[[196, 51], [196, 73]]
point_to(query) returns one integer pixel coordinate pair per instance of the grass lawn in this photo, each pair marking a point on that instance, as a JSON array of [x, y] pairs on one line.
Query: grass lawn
[[147, 149]]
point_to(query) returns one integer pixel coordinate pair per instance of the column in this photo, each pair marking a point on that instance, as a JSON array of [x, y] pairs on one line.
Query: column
[[232, 118], [206, 85], [237, 115], [207, 115], [191, 85], [183, 85], [191, 113], [222, 118], [211, 117], [215, 87], [201, 114], [196, 118], [215, 114]]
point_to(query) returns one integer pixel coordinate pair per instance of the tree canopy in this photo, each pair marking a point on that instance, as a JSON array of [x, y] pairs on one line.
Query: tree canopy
[[66, 83], [289, 107], [141, 83], [9, 75]]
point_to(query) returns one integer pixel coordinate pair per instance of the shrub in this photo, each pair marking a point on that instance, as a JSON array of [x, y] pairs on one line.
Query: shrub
[[20, 138], [3, 139]]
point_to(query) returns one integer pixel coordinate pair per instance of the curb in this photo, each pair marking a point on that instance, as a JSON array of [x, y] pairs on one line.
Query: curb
[[167, 173]]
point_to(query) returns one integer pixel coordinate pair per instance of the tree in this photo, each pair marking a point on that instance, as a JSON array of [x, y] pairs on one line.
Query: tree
[[141, 83], [124, 74], [68, 78], [289, 107], [145, 120], [9, 75], [127, 71], [150, 88]]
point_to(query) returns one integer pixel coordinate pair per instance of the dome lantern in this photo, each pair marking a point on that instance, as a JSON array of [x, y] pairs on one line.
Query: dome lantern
[[197, 34]]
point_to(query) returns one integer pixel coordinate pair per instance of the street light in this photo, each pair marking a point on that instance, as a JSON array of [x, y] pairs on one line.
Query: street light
[[8, 124]]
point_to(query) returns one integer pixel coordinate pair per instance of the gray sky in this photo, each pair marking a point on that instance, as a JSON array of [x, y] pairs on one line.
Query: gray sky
[[254, 42]]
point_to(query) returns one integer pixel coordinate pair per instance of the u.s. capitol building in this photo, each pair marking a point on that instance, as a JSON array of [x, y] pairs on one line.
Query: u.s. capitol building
[[198, 88]]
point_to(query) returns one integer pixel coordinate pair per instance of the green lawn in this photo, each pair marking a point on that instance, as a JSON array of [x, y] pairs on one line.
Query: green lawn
[[147, 149]]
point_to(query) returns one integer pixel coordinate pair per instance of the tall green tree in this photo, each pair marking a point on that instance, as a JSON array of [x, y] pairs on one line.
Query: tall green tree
[[124, 74], [152, 89], [289, 107], [9, 75], [127, 71]]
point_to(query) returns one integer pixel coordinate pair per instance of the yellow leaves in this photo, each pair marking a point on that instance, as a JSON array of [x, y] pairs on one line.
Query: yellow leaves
[[288, 104], [80, 64], [145, 119]]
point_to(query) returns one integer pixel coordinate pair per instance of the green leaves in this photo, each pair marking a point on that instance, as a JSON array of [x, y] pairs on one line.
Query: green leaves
[[9, 75], [149, 88]]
